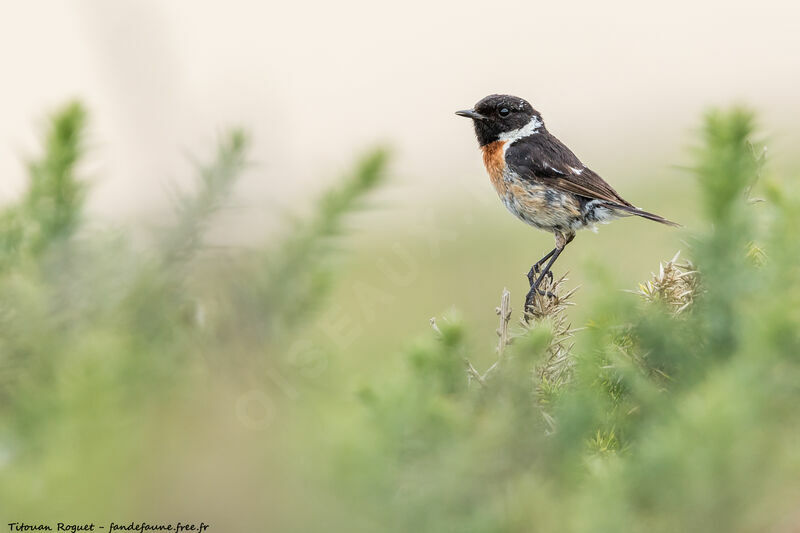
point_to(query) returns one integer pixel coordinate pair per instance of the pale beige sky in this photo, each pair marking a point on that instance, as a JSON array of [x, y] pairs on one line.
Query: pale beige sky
[[619, 81]]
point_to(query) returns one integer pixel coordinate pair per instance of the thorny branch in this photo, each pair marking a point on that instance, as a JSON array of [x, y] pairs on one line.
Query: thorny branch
[[556, 368], [558, 362], [504, 312], [676, 284]]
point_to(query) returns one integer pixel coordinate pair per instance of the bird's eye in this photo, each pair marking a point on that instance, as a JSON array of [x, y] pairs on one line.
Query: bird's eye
[[503, 111]]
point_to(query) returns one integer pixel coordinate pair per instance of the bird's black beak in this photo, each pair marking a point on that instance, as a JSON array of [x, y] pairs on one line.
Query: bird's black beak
[[469, 113]]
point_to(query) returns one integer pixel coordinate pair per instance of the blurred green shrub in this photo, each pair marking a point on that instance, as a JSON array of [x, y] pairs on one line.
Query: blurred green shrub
[[98, 336], [51, 206]]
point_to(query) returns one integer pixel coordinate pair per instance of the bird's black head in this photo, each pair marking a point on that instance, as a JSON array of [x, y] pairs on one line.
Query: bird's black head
[[500, 114]]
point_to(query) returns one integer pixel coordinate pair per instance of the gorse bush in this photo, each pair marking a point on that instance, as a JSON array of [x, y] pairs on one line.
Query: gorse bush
[[99, 337], [147, 382], [51, 207]]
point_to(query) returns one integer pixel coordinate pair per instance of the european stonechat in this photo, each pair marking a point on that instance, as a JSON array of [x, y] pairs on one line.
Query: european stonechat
[[540, 180]]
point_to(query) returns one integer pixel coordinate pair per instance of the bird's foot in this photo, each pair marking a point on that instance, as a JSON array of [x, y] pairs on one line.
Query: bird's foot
[[532, 293], [534, 272]]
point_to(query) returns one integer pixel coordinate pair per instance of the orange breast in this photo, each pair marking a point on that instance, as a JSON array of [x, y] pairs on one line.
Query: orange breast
[[495, 164]]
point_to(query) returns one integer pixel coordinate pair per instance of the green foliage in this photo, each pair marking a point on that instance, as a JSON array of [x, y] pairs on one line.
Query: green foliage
[[298, 270], [51, 207], [133, 373], [55, 196], [98, 335], [725, 166], [214, 182]]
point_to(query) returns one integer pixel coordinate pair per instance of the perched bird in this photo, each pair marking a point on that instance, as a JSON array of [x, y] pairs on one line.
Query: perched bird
[[540, 180]]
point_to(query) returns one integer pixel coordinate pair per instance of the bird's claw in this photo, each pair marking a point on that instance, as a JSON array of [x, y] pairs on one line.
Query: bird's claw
[[542, 292], [535, 270]]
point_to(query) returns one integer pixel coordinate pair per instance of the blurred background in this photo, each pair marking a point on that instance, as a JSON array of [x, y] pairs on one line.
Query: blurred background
[[623, 83]]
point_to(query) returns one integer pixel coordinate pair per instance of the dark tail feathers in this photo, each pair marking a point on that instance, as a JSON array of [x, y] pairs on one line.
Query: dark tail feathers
[[644, 214]]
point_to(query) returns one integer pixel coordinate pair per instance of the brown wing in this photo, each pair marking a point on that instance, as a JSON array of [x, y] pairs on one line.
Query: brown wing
[[543, 158]]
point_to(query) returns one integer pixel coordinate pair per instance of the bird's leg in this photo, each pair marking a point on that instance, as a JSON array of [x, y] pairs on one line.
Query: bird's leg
[[561, 242], [535, 268], [542, 274]]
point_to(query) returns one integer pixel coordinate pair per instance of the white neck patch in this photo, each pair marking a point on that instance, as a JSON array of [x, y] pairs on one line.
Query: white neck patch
[[525, 131]]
